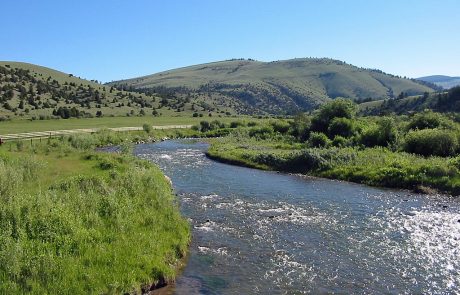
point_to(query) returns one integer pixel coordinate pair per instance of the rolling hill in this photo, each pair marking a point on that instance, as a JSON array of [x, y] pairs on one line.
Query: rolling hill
[[446, 82], [447, 101], [279, 87], [36, 92]]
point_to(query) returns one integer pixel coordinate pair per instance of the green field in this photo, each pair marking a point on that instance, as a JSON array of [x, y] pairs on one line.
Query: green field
[[20, 126], [74, 221]]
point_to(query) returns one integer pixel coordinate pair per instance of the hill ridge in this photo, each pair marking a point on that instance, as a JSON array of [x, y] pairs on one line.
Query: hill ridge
[[279, 87]]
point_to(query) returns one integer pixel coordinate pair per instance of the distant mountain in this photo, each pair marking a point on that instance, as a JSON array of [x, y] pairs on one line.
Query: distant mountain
[[279, 87], [446, 82], [37, 92]]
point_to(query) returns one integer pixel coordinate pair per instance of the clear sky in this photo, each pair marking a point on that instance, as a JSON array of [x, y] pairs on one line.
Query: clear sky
[[111, 40]]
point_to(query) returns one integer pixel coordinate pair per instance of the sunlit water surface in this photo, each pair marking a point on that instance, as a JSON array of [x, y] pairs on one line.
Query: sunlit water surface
[[258, 232]]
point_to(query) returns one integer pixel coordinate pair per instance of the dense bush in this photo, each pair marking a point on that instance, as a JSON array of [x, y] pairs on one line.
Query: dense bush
[[206, 126], [147, 128], [340, 141], [318, 139], [236, 124], [280, 126], [300, 127], [339, 108], [262, 132], [341, 126], [383, 133], [427, 120], [431, 142]]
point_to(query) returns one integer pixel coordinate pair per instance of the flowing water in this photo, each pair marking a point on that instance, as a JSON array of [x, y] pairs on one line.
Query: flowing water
[[258, 232]]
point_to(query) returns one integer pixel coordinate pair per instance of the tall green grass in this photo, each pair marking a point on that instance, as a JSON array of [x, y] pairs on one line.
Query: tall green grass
[[113, 228]]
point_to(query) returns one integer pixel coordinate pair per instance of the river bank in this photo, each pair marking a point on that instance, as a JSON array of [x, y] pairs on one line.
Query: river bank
[[378, 166], [419, 152], [77, 221]]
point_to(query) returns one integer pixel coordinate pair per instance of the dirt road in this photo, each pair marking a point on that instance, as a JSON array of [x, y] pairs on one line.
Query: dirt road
[[29, 135]]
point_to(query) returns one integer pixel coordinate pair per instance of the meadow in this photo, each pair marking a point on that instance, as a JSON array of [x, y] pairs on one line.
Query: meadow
[[76, 221], [25, 125]]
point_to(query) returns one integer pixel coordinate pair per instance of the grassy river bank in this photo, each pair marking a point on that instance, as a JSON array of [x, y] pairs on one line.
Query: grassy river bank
[[77, 221], [420, 152]]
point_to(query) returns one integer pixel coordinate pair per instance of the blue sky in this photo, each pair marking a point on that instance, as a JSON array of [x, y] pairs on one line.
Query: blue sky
[[110, 40]]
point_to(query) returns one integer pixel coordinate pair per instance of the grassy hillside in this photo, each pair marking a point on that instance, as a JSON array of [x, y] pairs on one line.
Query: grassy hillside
[[35, 92], [446, 82], [288, 86], [448, 101]]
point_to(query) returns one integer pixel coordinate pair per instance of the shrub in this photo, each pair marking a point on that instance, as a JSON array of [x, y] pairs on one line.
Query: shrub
[[382, 134], [205, 126], [147, 128], [339, 108], [236, 124], [216, 124], [280, 126], [300, 127], [426, 120], [431, 142], [263, 132], [82, 141], [318, 139], [341, 126], [339, 141]]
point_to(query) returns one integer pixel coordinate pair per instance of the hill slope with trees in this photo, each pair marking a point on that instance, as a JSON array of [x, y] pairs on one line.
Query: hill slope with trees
[[279, 87], [445, 102], [36, 92]]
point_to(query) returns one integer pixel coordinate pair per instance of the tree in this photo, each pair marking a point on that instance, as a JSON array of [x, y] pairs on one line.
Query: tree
[[9, 94]]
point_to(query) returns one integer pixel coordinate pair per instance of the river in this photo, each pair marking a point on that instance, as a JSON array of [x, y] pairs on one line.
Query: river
[[259, 232]]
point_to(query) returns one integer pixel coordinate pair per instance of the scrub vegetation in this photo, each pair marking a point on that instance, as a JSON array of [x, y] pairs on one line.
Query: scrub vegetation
[[419, 152]]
